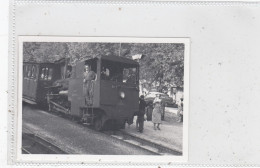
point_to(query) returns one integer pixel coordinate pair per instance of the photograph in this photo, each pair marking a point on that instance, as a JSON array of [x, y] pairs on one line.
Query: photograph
[[103, 98], [147, 83]]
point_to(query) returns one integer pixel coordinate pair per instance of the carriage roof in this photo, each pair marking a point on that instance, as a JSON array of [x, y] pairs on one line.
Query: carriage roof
[[40, 63]]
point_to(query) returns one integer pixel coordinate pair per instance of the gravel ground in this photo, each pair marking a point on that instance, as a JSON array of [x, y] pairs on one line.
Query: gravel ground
[[170, 135], [72, 137]]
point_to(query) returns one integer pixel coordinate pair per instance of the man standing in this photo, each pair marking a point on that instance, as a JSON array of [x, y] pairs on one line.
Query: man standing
[[140, 115], [88, 77]]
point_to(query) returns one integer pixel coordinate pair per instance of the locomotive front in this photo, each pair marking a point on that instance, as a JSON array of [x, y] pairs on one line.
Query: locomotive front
[[119, 89]]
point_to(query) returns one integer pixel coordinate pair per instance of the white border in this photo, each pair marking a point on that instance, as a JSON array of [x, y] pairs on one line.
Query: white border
[[95, 159]]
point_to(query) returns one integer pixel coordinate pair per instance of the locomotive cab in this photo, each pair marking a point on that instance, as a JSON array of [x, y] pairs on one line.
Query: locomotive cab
[[109, 96], [119, 88]]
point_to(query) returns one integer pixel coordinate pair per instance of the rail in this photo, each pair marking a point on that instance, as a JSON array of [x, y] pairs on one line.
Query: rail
[[154, 148], [33, 144]]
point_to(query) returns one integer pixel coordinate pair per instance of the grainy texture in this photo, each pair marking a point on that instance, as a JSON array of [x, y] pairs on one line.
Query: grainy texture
[[72, 137]]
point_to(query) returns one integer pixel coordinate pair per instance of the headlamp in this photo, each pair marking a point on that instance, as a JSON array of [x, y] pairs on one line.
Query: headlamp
[[122, 95]]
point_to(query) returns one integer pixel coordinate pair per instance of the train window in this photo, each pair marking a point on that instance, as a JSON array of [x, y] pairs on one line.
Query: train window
[[50, 73], [115, 71], [42, 73], [90, 69], [29, 71], [62, 71], [46, 73], [33, 72], [111, 71], [92, 64], [105, 73], [69, 72], [130, 75], [26, 71]]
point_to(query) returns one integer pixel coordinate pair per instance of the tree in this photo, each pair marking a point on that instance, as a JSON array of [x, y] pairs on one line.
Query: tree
[[43, 51], [163, 63]]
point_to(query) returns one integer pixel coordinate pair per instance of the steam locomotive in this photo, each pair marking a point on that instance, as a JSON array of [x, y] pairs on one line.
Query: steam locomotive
[[113, 94]]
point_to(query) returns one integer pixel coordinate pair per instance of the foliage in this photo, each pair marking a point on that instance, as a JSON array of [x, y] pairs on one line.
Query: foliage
[[162, 63]]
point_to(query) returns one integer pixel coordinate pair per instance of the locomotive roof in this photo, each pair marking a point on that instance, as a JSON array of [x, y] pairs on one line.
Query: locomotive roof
[[119, 59], [38, 62]]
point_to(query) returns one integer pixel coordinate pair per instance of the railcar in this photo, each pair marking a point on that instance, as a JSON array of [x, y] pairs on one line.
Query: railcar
[[36, 77], [113, 94]]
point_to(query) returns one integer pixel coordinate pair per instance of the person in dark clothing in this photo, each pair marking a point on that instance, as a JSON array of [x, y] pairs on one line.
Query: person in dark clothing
[[149, 111], [140, 115]]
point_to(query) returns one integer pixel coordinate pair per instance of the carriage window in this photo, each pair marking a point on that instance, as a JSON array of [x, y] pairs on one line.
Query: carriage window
[[29, 71], [26, 70], [33, 72], [50, 74], [42, 73], [46, 73]]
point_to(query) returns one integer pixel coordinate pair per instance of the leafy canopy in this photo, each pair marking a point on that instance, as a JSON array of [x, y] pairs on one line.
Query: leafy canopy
[[162, 63]]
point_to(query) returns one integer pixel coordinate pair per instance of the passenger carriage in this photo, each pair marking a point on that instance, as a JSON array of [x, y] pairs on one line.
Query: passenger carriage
[[36, 77]]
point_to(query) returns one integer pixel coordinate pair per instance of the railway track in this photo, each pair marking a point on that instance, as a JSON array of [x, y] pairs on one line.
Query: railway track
[[144, 144], [33, 144]]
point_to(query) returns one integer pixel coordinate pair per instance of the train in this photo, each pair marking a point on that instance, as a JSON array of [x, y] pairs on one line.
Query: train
[[110, 98]]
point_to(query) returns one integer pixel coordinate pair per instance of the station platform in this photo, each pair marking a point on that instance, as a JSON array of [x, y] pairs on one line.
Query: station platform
[[170, 134]]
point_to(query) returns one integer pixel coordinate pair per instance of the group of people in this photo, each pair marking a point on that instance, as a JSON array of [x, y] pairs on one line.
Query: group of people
[[156, 108], [144, 108]]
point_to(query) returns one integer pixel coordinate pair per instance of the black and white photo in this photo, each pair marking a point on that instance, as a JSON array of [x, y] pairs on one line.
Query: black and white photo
[[104, 97]]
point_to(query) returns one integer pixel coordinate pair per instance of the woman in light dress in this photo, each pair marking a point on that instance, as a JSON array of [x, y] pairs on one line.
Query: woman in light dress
[[157, 113]]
